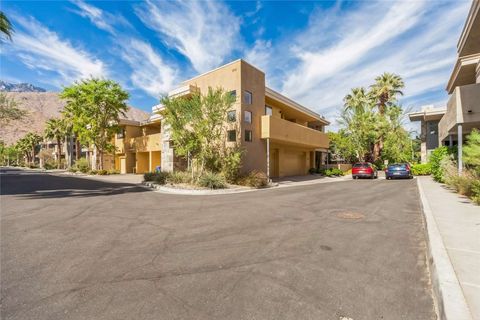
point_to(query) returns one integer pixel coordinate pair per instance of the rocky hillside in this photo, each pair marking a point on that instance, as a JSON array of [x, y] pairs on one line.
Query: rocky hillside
[[19, 87], [42, 106]]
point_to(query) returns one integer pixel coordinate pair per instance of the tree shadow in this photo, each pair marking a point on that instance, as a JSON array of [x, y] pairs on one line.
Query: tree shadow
[[37, 185]]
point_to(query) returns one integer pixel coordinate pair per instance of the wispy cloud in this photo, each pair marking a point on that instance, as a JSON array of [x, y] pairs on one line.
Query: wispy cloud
[[205, 32], [41, 49], [103, 20], [149, 71], [341, 49]]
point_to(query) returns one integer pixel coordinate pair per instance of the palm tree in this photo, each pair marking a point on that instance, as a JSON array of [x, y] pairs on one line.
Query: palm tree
[[28, 144], [385, 90], [358, 101], [56, 129], [5, 26]]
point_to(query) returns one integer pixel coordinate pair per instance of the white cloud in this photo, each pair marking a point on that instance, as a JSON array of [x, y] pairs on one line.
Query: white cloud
[[259, 54], [342, 49], [103, 20], [39, 48], [205, 32], [149, 71]]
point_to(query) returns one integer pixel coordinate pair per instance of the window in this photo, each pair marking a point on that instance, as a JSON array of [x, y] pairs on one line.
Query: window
[[233, 93], [268, 111], [248, 135], [231, 135], [121, 134], [232, 116], [247, 97], [247, 117]]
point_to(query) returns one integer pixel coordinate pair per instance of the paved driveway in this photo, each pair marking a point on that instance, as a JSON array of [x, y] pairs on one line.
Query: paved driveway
[[73, 248]]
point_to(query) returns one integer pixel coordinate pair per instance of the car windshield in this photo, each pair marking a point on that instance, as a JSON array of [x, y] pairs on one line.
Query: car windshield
[[360, 165], [398, 165]]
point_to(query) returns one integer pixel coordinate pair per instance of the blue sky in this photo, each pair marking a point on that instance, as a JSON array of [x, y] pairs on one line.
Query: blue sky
[[313, 52]]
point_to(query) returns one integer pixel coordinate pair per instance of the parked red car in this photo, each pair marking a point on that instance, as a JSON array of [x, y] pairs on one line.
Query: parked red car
[[364, 170]]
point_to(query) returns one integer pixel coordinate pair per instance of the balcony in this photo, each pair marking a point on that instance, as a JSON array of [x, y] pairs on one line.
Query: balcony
[[151, 142], [183, 91], [463, 107], [283, 131]]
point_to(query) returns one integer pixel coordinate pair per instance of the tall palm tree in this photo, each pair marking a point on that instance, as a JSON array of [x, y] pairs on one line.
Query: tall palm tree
[[55, 129], [5, 26], [385, 90], [358, 101], [28, 144]]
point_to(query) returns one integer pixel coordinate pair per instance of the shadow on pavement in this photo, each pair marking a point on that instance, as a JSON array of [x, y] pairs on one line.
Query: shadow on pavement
[[38, 185]]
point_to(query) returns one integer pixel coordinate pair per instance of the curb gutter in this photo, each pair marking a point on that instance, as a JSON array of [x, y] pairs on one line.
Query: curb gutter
[[448, 295]]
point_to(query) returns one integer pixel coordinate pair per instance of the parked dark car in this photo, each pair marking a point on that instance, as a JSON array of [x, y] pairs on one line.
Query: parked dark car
[[364, 170], [398, 170]]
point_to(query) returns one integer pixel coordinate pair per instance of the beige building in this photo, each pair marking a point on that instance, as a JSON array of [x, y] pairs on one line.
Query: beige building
[[279, 136], [462, 113]]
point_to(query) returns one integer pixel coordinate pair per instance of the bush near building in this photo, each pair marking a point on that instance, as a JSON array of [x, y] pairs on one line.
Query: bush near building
[[421, 169]]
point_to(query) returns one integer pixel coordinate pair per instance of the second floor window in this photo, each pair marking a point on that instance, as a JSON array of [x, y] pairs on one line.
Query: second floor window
[[268, 111], [232, 116], [248, 135], [233, 93], [231, 135], [121, 134], [247, 117], [247, 97]]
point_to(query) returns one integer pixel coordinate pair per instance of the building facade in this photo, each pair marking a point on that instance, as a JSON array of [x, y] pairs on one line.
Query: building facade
[[462, 113], [279, 136]]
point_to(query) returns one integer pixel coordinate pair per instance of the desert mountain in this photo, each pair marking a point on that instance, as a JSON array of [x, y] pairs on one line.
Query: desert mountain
[[19, 87], [42, 106]]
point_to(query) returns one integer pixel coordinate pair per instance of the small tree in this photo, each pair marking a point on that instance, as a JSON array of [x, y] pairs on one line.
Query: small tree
[[55, 129], [94, 107], [471, 151], [198, 127]]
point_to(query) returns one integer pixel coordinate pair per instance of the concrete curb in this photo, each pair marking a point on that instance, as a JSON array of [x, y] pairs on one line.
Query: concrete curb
[[448, 295], [194, 192]]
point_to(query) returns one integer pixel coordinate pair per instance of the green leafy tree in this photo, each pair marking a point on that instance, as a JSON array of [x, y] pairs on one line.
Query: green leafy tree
[[5, 26], [94, 108], [471, 150], [28, 145], [198, 129], [55, 129], [9, 110]]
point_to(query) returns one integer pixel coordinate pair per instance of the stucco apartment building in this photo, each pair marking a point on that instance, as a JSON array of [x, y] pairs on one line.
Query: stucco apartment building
[[450, 125], [279, 136]]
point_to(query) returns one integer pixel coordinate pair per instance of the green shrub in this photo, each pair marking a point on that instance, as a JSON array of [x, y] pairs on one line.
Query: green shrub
[[334, 172], [50, 164], [255, 179], [435, 160], [312, 170], [476, 191], [178, 177], [82, 165], [102, 172], [72, 169], [231, 164], [158, 177], [93, 172], [421, 169], [212, 180], [113, 171], [320, 171]]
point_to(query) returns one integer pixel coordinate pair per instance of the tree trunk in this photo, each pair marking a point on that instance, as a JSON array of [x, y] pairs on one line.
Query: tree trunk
[[77, 149], [59, 152], [101, 159], [33, 155]]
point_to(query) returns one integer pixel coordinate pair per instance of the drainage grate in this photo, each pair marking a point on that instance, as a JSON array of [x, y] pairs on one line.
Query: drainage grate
[[350, 215]]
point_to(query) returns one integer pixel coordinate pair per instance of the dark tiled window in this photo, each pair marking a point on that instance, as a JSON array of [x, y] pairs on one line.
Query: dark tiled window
[[248, 135], [231, 135], [247, 97]]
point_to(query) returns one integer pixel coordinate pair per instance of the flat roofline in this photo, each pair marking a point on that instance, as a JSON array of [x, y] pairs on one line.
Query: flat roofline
[[472, 13], [129, 122], [464, 61], [421, 115], [218, 68], [274, 94]]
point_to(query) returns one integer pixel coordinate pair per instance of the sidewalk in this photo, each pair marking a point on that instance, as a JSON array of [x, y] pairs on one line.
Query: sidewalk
[[458, 224]]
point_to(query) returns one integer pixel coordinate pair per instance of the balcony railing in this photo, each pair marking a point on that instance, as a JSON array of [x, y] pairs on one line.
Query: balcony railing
[[283, 131], [151, 142]]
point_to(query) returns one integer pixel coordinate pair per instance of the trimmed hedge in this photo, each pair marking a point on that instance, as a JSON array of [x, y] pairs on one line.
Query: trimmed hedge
[[421, 169]]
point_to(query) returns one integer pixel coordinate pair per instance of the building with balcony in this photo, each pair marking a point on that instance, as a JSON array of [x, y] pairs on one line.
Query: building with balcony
[[279, 136], [462, 113]]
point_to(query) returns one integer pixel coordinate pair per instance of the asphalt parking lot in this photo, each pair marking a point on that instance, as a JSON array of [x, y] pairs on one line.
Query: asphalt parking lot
[[73, 248]]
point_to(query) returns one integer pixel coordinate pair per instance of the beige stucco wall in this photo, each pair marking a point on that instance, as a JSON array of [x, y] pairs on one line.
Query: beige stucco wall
[[142, 162]]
